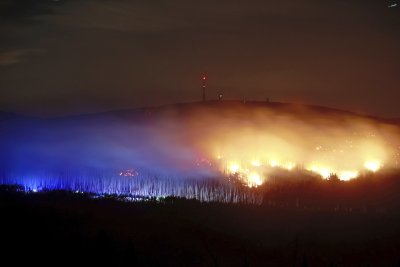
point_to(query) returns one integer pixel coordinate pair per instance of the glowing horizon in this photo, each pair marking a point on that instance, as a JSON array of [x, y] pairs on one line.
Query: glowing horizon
[[252, 144]]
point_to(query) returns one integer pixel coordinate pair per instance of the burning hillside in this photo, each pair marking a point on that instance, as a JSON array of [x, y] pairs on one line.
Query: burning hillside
[[252, 141], [249, 143]]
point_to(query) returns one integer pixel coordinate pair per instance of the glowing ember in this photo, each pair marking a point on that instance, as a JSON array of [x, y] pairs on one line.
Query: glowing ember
[[128, 173], [254, 179], [289, 166], [348, 175], [248, 176], [323, 171], [372, 165], [274, 163], [233, 168]]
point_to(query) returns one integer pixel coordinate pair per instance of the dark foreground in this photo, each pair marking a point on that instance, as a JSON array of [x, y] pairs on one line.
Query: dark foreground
[[299, 225]]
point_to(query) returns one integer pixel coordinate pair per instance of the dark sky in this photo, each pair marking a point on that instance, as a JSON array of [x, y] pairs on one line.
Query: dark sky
[[70, 57]]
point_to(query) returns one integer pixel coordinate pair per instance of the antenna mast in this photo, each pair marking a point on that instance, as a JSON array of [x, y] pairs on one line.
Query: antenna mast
[[204, 80]]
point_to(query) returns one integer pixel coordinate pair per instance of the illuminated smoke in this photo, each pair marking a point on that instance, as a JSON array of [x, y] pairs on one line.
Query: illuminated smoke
[[250, 143]]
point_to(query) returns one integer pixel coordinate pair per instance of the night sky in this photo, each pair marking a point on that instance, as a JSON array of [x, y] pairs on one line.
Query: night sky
[[71, 57]]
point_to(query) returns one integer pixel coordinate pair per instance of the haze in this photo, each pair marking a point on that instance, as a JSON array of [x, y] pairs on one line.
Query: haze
[[74, 57]]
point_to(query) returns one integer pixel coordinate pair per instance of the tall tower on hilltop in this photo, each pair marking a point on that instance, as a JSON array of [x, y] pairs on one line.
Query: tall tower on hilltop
[[203, 85]]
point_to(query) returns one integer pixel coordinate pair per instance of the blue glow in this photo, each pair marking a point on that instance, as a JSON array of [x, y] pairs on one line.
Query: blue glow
[[138, 188]]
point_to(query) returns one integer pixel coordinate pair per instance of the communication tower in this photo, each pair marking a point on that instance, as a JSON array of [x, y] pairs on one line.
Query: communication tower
[[203, 85]]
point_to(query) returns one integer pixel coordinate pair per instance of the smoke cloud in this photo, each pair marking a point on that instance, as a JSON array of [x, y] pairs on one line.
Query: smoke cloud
[[204, 140]]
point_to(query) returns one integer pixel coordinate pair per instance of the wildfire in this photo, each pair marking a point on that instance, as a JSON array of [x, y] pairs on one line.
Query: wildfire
[[247, 176], [325, 172], [256, 144], [254, 172], [254, 179], [348, 175], [254, 149], [372, 165]]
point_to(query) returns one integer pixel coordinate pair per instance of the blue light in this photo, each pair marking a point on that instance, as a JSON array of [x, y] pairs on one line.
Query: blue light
[[139, 188]]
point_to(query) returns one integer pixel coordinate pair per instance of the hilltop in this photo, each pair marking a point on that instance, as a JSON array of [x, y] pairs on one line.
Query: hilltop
[[181, 109]]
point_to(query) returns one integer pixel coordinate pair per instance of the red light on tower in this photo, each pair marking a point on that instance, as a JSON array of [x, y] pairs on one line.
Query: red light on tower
[[204, 79]]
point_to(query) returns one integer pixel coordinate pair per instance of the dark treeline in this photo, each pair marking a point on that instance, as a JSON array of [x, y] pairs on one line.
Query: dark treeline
[[300, 223]]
